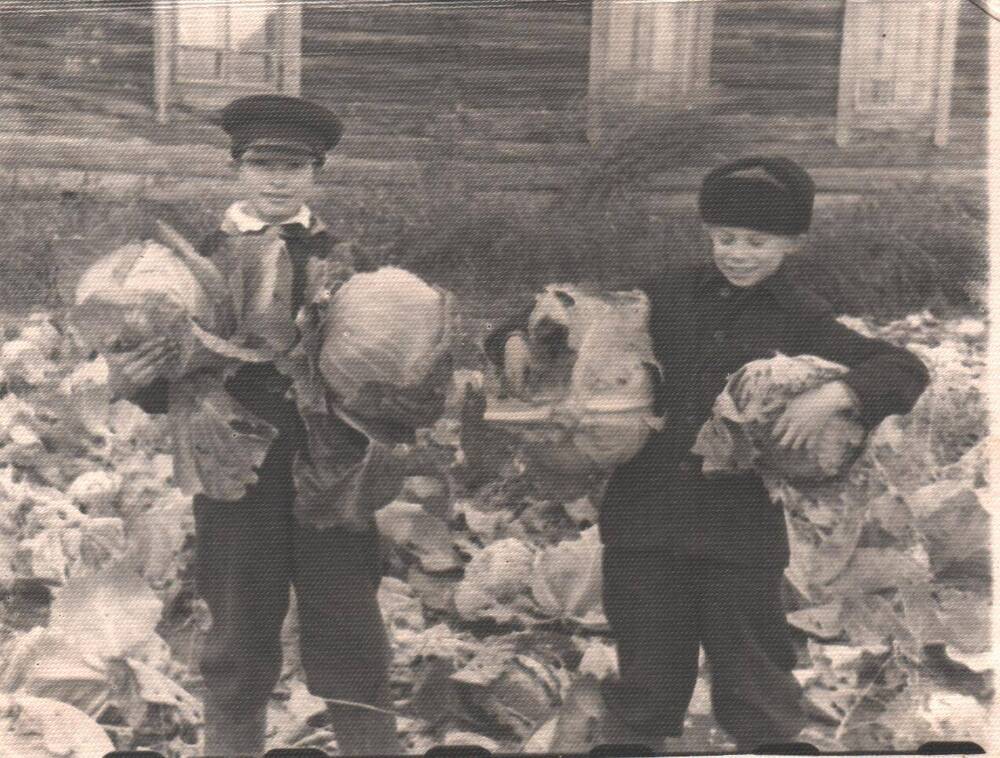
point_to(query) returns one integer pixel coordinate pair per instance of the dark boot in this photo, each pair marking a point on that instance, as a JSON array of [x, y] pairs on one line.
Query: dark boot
[[584, 722], [362, 731], [234, 734]]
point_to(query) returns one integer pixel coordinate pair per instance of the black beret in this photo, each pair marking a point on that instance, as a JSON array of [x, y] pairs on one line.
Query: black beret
[[281, 124], [769, 194]]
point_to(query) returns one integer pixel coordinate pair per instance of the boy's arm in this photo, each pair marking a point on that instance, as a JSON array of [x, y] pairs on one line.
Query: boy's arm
[[345, 477], [885, 379], [153, 397]]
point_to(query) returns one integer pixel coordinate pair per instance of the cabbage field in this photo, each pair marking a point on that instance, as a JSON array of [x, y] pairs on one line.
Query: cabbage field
[[492, 582]]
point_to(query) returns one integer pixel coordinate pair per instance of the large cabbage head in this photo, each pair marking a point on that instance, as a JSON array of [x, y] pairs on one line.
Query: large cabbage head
[[604, 414], [147, 290], [386, 326], [140, 269], [754, 399]]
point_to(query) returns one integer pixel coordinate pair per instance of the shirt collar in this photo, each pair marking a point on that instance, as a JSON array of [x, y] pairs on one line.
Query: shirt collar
[[242, 221]]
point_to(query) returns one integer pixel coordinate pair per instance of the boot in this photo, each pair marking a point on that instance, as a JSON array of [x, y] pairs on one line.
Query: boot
[[234, 735], [361, 731], [585, 722]]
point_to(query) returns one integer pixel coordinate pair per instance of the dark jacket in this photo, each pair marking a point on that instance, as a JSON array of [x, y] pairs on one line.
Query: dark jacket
[[703, 330]]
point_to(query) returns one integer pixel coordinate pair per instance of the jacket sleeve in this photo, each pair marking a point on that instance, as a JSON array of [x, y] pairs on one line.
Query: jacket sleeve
[[345, 477], [668, 295], [496, 340], [885, 379], [153, 397]]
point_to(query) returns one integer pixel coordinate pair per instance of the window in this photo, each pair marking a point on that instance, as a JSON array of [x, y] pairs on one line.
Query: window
[[209, 51], [896, 66], [227, 41], [647, 55]]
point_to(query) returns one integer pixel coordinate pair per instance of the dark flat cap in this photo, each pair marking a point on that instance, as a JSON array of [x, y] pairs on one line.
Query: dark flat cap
[[766, 193], [280, 125]]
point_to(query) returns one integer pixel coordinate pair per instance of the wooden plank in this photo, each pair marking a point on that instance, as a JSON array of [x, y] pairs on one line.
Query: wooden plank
[[427, 19], [810, 75], [600, 33], [21, 43], [162, 43], [291, 48], [359, 69], [946, 74], [848, 74], [753, 12], [821, 35], [832, 189], [403, 39]]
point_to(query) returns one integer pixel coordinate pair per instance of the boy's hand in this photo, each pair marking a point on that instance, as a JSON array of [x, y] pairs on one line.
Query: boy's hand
[[516, 361], [414, 407], [802, 423], [132, 370]]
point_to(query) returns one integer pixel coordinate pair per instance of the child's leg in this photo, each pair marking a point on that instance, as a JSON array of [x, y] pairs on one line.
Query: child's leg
[[344, 647], [649, 602], [243, 567], [755, 698]]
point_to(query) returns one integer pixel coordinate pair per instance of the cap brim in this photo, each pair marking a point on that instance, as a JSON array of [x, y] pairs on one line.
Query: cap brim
[[273, 150]]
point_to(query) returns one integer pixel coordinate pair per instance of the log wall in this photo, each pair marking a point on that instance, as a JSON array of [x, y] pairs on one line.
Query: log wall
[[492, 91]]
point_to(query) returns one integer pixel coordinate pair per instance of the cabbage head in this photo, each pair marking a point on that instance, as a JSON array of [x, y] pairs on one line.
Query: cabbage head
[[147, 290], [143, 268], [386, 326], [604, 412], [738, 436], [494, 577]]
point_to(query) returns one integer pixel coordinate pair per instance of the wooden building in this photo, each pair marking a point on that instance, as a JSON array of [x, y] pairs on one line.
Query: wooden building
[[508, 95]]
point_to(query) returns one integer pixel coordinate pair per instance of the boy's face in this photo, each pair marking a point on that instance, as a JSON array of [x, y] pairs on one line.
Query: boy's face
[[745, 256], [275, 188]]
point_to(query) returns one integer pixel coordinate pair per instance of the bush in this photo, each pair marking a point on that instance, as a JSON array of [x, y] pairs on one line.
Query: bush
[[46, 242], [899, 252], [895, 252]]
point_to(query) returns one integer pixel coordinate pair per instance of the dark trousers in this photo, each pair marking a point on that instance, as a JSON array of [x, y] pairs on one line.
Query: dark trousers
[[662, 607], [248, 554]]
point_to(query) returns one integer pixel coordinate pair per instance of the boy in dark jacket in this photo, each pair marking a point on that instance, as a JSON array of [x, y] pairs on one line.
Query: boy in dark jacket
[[248, 553], [692, 561]]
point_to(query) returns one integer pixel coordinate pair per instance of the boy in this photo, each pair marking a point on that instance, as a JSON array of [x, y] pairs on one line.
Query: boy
[[691, 561], [249, 552]]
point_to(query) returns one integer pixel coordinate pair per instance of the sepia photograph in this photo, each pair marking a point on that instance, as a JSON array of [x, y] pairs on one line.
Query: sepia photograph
[[472, 378]]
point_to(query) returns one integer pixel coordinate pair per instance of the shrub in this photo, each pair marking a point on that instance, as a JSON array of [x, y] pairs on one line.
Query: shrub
[[896, 251], [900, 251], [47, 242]]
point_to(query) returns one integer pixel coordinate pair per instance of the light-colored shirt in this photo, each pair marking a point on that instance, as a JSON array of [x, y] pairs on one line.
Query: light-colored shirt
[[245, 222]]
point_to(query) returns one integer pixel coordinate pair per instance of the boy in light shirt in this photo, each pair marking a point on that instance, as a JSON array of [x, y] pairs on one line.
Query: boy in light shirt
[[249, 553]]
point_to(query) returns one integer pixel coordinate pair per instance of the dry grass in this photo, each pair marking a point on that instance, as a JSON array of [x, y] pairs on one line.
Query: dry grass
[[895, 252]]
